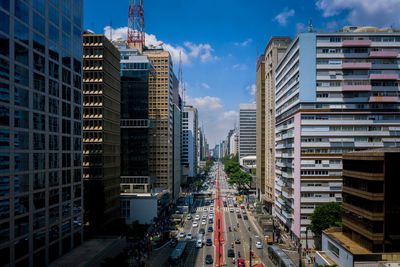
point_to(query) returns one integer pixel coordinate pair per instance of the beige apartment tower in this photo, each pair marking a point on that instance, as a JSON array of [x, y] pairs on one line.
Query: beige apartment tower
[[101, 131], [160, 115], [274, 50]]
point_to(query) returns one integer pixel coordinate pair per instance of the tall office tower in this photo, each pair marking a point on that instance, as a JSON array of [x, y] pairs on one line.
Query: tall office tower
[[216, 151], [160, 115], [190, 148], [247, 130], [334, 93], [41, 130], [274, 50], [232, 142], [221, 149], [101, 133], [177, 137]]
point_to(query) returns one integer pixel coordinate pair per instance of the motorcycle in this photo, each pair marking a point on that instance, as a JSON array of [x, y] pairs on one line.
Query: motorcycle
[[230, 230]]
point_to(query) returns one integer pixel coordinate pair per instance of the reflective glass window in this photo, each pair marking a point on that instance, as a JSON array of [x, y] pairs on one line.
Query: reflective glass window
[[21, 97], [5, 4], [39, 23], [66, 77], [39, 238], [21, 32], [21, 183], [66, 7], [4, 235], [77, 35], [66, 93], [77, 12], [53, 70], [66, 25], [54, 197], [4, 69], [53, 160], [4, 22], [39, 43], [66, 126], [39, 121], [77, 143], [54, 2], [21, 205], [21, 11], [40, 6], [53, 34], [21, 54], [4, 115], [21, 162], [39, 82], [53, 142], [53, 51], [77, 66], [54, 232], [39, 141], [4, 208], [66, 177], [4, 139], [66, 59], [4, 186], [21, 248], [77, 206], [39, 62], [66, 207], [4, 92], [53, 15], [21, 140], [54, 179], [39, 161], [21, 118], [39, 102], [21, 75], [39, 202], [4, 45], [53, 108], [53, 88], [21, 226], [77, 97]]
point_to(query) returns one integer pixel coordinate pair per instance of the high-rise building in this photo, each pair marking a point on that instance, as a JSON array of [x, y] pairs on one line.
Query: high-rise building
[[40, 130], [334, 93], [232, 142], [177, 138], [160, 114], [265, 85], [101, 133], [247, 130], [190, 142]]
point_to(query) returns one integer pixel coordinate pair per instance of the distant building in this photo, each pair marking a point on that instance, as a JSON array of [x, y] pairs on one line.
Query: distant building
[[101, 132], [190, 142], [247, 130], [334, 93]]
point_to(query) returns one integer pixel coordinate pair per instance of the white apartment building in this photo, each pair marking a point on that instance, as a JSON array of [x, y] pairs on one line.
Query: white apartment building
[[247, 130], [334, 93], [190, 139]]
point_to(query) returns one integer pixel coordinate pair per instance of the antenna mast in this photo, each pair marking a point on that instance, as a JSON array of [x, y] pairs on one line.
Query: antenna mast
[[136, 33]]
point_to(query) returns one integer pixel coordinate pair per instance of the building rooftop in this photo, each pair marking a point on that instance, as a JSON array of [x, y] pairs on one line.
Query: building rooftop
[[337, 235], [377, 150]]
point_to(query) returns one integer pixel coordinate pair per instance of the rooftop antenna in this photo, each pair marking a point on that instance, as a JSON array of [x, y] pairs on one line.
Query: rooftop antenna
[[136, 32], [310, 27]]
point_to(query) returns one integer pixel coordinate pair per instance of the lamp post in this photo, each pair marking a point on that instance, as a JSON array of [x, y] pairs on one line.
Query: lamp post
[[307, 238], [250, 251]]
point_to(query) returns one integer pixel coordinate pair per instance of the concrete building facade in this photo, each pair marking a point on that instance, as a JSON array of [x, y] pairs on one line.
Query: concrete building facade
[[334, 93], [101, 133], [247, 130], [190, 142], [41, 196]]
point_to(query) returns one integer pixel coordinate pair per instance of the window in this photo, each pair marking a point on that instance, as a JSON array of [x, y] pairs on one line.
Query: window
[[21, 75], [4, 92], [53, 15], [332, 248], [21, 32], [38, 62], [39, 121], [4, 21], [21, 54], [38, 43], [4, 69], [21, 11], [39, 23], [39, 102]]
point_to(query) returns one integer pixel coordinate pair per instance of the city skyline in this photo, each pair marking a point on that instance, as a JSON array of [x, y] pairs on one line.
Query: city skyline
[[219, 43]]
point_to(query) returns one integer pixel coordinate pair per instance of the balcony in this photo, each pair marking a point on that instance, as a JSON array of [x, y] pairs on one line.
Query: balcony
[[287, 175], [387, 77], [356, 226], [357, 65], [347, 88], [286, 194], [363, 194], [383, 54], [356, 43], [287, 215], [373, 216], [383, 99], [280, 200]]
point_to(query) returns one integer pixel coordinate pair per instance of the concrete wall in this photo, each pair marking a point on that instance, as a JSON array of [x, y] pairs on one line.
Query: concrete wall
[[345, 258]]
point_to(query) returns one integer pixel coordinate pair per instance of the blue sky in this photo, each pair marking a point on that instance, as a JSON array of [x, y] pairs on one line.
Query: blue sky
[[218, 40]]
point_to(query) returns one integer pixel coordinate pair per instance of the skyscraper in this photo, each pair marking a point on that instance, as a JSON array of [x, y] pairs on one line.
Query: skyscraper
[[190, 139], [41, 130], [334, 93], [101, 133], [247, 130]]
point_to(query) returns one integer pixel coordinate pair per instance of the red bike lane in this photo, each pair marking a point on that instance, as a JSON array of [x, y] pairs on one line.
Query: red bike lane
[[219, 225]]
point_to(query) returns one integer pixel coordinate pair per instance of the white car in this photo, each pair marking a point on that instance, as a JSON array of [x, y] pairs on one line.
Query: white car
[[203, 221], [197, 217], [259, 244], [189, 236], [205, 209], [195, 224], [237, 210], [182, 234]]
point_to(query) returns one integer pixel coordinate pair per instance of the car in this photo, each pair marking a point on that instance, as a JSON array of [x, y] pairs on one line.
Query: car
[[201, 231], [239, 216], [205, 209], [195, 224], [259, 244], [209, 259], [204, 216], [210, 220], [235, 205], [237, 240], [245, 217], [199, 244], [182, 234], [240, 263], [203, 221], [231, 210], [244, 211], [237, 210], [231, 253], [173, 243], [189, 217], [209, 242], [197, 217], [210, 229]]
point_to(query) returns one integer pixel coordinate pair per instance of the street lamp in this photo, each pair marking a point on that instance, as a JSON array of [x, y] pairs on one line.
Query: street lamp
[[250, 251]]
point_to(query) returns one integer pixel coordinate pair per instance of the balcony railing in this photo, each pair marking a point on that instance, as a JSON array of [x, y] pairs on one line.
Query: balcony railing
[[356, 43], [389, 76], [366, 87], [386, 99], [356, 65], [383, 54]]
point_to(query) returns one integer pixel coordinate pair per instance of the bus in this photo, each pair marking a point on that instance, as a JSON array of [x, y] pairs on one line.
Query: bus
[[278, 257], [178, 255]]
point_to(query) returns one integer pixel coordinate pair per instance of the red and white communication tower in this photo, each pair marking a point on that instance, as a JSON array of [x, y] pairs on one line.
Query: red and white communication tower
[[136, 31]]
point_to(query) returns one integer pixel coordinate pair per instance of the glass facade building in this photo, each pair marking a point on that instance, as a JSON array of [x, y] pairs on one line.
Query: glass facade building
[[40, 130], [247, 130]]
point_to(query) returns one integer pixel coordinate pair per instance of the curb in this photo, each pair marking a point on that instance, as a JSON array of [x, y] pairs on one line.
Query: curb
[[156, 249]]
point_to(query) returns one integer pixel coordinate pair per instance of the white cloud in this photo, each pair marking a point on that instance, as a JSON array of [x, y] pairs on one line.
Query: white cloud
[[205, 85], [212, 115], [284, 15], [300, 27], [189, 51], [240, 67], [244, 43], [252, 89], [382, 13]]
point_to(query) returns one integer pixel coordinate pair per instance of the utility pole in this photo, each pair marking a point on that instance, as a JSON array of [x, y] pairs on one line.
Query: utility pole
[[250, 251]]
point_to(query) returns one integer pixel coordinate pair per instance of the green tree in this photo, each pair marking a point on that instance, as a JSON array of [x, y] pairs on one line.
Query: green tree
[[325, 216], [197, 184], [231, 167]]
